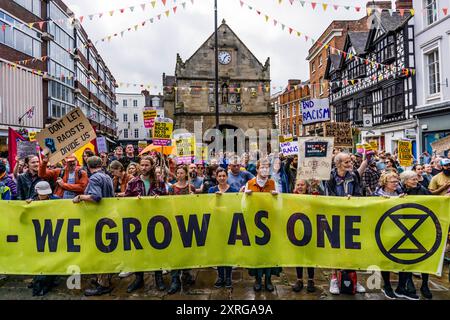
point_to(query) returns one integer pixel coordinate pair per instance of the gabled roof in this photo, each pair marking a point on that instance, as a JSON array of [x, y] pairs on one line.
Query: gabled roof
[[333, 62], [221, 29], [357, 41], [387, 23]]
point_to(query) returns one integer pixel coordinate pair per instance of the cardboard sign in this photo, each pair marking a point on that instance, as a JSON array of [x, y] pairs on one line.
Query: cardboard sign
[[162, 132], [65, 136], [285, 138], [405, 153], [360, 148], [185, 148], [201, 153], [441, 145], [342, 133], [102, 146], [26, 148], [149, 117], [315, 110], [289, 148], [314, 158]]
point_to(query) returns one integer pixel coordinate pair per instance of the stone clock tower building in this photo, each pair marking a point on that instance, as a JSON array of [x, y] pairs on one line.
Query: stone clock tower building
[[244, 87]]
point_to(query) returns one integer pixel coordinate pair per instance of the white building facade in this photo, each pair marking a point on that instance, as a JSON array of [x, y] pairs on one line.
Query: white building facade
[[432, 53], [131, 122], [131, 119]]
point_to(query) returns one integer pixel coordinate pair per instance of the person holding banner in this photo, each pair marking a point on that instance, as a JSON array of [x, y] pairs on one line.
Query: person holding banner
[[181, 187], [146, 184], [411, 186], [120, 178], [262, 183], [69, 181], [390, 187], [344, 182], [224, 273], [100, 186], [303, 187]]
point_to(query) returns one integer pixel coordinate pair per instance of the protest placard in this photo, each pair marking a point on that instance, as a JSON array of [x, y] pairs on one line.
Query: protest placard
[[315, 156], [162, 132], [285, 138], [32, 135], [342, 133], [289, 148], [141, 146], [66, 135], [26, 148], [405, 157], [149, 117], [441, 145], [315, 110], [185, 148], [102, 145]]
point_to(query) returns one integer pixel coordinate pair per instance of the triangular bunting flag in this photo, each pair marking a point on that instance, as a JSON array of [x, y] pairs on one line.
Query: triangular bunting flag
[[184, 5], [290, 30], [412, 11], [325, 6], [302, 3], [402, 12], [175, 9], [445, 10], [122, 10], [111, 13], [335, 7], [267, 18], [313, 5], [167, 13], [358, 9], [164, 2], [242, 3], [274, 22], [143, 6], [41, 24]]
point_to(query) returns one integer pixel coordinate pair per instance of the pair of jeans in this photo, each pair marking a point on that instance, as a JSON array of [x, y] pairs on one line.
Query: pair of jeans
[[224, 272], [300, 272]]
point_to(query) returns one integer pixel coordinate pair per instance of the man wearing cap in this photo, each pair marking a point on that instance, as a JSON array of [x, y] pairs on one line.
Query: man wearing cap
[[100, 186], [69, 181], [440, 184]]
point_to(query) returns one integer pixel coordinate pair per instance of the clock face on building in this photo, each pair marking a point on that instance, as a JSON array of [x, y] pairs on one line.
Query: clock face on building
[[224, 57]]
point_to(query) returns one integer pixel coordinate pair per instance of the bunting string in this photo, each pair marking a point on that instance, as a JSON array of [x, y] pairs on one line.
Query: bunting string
[[91, 17], [135, 27], [292, 31], [357, 8]]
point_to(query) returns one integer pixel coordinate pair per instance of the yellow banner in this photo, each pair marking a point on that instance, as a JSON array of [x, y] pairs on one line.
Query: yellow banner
[[196, 231]]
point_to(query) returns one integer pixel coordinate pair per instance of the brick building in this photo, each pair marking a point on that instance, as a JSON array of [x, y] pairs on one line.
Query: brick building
[[73, 73], [289, 106]]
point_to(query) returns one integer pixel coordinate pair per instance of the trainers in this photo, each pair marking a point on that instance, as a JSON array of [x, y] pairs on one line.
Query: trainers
[[402, 293], [220, 283], [125, 274], [298, 286], [388, 293], [310, 286], [360, 288], [426, 292], [334, 288], [257, 286]]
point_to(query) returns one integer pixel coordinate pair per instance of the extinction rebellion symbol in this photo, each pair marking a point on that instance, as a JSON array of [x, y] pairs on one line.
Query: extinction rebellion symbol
[[408, 245]]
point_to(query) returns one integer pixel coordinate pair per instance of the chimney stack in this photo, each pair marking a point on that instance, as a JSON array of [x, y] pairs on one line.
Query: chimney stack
[[403, 4]]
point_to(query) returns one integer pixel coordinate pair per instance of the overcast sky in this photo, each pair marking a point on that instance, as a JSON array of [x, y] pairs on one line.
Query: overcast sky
[[142, 56]]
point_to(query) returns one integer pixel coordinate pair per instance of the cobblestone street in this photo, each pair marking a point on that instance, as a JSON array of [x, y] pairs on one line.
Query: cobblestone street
[[15, 288]]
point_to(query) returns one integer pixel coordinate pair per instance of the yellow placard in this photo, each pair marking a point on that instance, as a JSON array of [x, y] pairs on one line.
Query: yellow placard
[[32, 136], [149, 114], [162, 130], [405, 157], [196, 231]]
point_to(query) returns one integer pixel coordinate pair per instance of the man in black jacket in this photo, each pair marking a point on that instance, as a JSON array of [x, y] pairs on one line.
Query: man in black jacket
[[28, 180]]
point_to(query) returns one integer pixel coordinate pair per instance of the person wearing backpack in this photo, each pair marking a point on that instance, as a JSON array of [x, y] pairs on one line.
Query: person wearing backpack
[[5, 190], [69, 181]]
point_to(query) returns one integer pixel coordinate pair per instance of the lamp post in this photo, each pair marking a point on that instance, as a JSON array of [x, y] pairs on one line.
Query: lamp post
[[216, 61]]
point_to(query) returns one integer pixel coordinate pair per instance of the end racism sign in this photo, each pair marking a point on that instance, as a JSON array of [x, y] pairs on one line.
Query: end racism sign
[[315, 110], [65, 136]]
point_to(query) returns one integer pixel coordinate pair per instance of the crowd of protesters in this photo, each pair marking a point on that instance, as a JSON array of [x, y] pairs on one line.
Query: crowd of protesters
[[124, 174]]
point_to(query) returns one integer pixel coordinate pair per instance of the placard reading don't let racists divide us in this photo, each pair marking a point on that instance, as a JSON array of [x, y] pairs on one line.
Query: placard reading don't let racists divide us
[[66, 135]]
